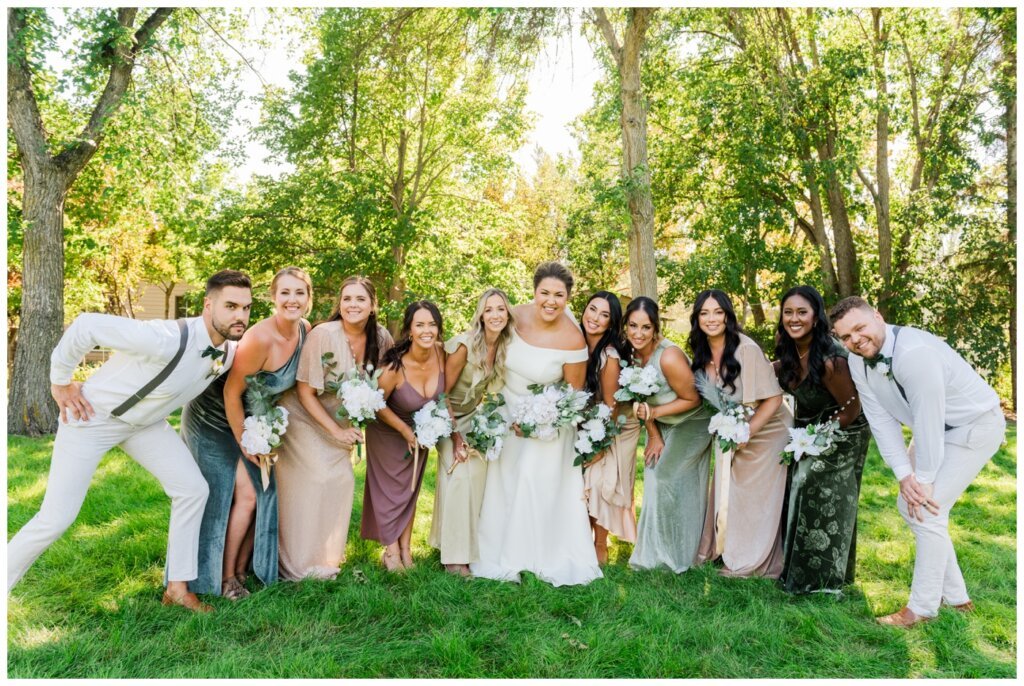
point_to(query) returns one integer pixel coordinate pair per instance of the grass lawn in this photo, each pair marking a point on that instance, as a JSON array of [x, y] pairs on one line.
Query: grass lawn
[[90, 606]]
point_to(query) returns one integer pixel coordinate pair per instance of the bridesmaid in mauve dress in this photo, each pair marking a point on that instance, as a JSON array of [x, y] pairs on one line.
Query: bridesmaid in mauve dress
[[751, 542], [315, 483], [413, 376]]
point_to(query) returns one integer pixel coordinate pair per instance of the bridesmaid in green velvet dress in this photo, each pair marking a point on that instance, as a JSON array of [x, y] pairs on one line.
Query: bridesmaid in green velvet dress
[[820, 529]]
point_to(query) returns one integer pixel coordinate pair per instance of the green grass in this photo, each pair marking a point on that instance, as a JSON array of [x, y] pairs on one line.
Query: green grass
[[89, 607]]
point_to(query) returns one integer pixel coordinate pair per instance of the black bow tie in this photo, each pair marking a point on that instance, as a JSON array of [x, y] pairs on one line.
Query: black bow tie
[[212, 352]]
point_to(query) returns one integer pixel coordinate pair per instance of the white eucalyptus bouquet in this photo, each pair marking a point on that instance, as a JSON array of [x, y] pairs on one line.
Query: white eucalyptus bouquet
[[488, 427], [359, 393], [596, 433], [731, 423], [263, 428], [548, 409], [637, 384], [815, 440]]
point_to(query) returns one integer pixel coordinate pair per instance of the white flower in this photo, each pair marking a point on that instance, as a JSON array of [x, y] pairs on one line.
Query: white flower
[[432, 423], [603, 412], [583, 445], [882, 368], [594, 429], [802, 443]]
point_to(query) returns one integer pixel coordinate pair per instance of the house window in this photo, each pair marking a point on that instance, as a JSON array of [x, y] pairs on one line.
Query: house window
[[180, 307]]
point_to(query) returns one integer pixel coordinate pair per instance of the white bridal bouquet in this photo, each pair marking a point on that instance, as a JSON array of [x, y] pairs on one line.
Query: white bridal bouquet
[[637, 384], [814, 440], [262, 430], [487, 429], [731, 424], [595, 433], [548, 409], [360, 396]]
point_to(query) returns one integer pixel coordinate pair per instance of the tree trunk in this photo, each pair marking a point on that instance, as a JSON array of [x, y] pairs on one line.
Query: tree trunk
[[31, 410], [881, 194], [846, 252], [828, 272], [636, 173], [642, 274], [396, 293], [756, 306]]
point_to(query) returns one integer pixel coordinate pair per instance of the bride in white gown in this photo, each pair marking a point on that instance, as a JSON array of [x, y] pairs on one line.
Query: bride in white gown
[[533, 517]]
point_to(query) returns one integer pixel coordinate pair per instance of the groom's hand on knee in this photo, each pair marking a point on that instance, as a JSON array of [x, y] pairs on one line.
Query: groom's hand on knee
[[918, 497]]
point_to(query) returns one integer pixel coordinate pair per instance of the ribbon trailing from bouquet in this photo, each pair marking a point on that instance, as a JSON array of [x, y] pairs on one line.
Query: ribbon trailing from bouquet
[[415, 465], [266, 462], [723, 474]]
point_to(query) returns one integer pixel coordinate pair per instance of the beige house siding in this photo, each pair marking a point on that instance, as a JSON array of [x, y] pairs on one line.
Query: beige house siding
[[150, 305]]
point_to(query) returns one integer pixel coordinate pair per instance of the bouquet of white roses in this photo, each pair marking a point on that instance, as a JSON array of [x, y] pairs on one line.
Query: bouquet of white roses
[[487, 429], [549, 408], [595, 433], [359, 393], [263, 428], [637, 384], [814, 440], [731, 424]]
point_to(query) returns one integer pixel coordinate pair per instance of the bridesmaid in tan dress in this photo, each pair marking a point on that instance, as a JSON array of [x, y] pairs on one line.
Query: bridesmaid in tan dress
[[757, 486], [608, 479], [475, 366], [315, 483]]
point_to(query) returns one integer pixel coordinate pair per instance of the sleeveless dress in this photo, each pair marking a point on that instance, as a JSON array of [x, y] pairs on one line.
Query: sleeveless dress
[[315, 482], [533, 516], [820, 540], [388, 502], [676, 489], [205, 429], [757, 489], [608, 483], [458, 496]]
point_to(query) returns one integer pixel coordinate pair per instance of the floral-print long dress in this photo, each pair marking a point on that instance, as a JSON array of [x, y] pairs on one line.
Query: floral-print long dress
[[819, 544]]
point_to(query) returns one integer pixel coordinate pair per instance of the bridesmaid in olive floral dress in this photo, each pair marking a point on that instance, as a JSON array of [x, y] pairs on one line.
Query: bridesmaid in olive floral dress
[[820, 529]]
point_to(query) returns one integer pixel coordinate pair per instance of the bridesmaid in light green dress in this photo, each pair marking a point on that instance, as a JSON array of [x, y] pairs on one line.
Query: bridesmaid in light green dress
[[475, 366], [678, 449]]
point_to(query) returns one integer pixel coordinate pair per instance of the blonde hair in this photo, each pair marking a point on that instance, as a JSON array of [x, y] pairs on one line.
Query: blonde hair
[[476, 345], [299, 274]]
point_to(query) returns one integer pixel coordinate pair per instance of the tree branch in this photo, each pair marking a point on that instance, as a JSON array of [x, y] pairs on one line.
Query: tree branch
[[23, 110], [600, 18]]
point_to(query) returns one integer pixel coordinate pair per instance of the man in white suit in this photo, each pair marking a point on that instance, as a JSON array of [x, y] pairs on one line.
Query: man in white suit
[[157, 367], [908, 377]]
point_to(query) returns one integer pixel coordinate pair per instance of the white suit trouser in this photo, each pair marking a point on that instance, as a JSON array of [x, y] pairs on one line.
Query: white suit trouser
[[77, 450], [937, 575]]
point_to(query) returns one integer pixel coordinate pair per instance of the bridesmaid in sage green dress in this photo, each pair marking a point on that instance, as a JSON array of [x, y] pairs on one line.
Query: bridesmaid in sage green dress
[[820, 528], [678, 449]]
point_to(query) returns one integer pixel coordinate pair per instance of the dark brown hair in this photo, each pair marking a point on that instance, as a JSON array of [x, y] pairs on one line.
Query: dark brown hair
[[227, 277], [553, 270], [843, 307]]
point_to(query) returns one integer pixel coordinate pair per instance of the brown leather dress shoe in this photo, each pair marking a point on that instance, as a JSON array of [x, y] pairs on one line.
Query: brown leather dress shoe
[[963, 607], [188, 600], [904, 619]]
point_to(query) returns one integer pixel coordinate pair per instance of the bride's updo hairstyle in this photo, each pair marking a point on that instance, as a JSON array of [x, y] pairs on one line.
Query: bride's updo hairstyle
[[553, 270]]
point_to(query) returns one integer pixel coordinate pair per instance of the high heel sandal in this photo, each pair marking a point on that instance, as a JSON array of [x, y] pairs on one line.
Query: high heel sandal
[[390, 561], [233, 590]]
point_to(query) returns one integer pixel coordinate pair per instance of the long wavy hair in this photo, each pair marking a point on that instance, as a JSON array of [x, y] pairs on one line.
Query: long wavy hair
[[730, 368], [476, 346], [393, 357], [611, 337], [650, 308], [821, 341], [371, 355]]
